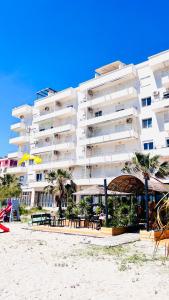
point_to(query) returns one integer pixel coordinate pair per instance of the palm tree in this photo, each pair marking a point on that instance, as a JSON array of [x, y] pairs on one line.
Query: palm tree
[[9, 186], [57, 181], [148, 166]]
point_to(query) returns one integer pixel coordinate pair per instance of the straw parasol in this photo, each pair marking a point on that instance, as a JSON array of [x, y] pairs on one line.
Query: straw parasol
[[135, 184]]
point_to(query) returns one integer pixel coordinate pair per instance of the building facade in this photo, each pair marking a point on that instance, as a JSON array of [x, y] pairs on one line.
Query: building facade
[[91, 130]]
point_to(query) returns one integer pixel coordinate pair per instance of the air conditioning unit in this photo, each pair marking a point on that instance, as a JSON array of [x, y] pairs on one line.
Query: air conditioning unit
[[129, 120], [90, 109], [56, 152], [71, 168], [56, 135], [46, 108], [58, 103], [89, 147], [90, 92], [21, 117], [47, 139], [90, 129], [156, 93]]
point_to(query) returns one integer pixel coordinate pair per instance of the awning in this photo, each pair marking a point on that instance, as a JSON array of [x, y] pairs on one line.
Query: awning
[[98, 190]]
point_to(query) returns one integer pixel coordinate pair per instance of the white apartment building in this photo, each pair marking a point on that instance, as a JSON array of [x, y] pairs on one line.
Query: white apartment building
[[91, 130]]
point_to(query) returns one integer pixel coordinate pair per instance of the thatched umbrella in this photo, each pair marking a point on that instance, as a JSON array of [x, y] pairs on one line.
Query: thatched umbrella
[[135, 184]]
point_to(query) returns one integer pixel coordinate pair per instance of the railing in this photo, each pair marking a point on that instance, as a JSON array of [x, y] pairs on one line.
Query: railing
[[111, 131]]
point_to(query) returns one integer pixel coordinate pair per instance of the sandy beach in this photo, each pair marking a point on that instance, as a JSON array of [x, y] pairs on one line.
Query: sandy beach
[[41, 265]]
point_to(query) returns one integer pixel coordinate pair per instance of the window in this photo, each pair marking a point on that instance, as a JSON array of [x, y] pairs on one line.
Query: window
[[21, 179], [31, 161], [146, 101], [167, 142], [39, 177], [148, 146], [166, 116], [98, 113], [147, 123]]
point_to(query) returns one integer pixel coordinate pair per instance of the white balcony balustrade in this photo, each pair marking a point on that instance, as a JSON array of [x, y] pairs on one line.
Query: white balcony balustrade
[[19, 140], [16, 170], [160, 105], [60, 113], [20, 126], [22, 111], [54, 147], [125, 113], [58, 96], [107, 99], [105, 158], [126, 133], [113, 78], [51, 131], [159, 61]]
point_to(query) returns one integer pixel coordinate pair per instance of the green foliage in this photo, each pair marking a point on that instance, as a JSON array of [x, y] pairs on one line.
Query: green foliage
[[58, 186], [146, 164], [76, 211], [123, 212], [9, 186], [24, 211], [98, 210], [85, 206]]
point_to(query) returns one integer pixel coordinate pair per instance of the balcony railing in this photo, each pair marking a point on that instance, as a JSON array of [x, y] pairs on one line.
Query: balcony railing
[[123, 134], [112, 116], [161, 104], [51, 131], [55, 113], [53, 147], [109, 98], [114, 77], [103, 158]]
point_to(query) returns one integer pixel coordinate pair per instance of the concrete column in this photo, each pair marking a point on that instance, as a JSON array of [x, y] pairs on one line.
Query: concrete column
[[32, 197]]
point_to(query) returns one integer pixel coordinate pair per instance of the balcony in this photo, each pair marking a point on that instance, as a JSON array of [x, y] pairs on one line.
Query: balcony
[[57, 147], [102, 158], [62, 95], [21, 111], [126, 134], [20, 126], [16, 170], [38, 184], [115, 77], [129, 112], [19, 140], [159, 61], [160, 105], [162, 152], [165, 81], [50, 165], [68, 111], [52, 131], [124, 94], [15, 155]]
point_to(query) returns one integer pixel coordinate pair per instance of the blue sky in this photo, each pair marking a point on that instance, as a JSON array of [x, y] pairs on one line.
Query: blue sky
[[52, 43]]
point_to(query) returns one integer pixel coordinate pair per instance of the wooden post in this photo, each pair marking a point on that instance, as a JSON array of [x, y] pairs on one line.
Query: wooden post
[[146, 201], [106, 204]]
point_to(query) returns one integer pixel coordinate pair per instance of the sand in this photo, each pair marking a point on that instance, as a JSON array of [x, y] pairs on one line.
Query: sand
[[41, 265]]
